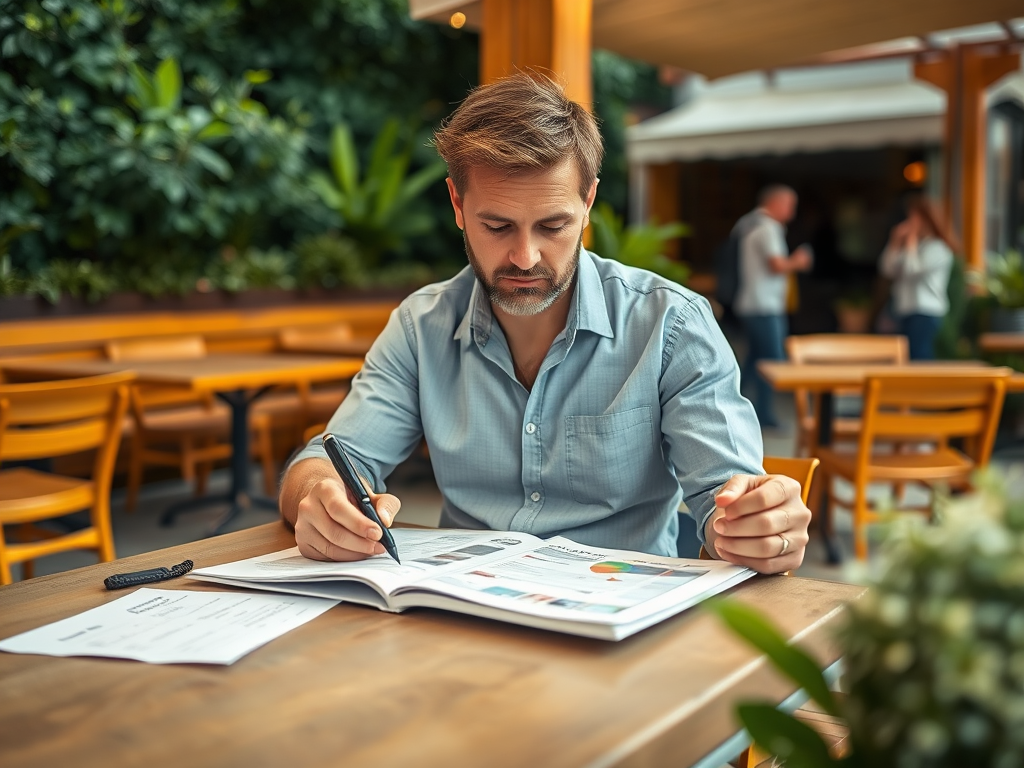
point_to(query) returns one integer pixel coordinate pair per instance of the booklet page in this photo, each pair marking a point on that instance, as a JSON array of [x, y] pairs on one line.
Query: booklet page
[[570, 581], [424, 553]]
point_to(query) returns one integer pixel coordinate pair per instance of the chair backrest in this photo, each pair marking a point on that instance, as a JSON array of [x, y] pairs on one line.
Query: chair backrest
[[55, 418], [297, 336], [934, 406], [800, 469], [825, 348], [147, 397], [157, 348]]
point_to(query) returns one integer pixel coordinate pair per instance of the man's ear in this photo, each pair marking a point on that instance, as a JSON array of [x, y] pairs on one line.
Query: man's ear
[[589, 202], [453, 193]]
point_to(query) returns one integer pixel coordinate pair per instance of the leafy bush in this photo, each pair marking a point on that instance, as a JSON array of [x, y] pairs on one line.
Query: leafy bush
[[378, 209], [82, 279], [934, 651], [638, 245], [1005, 279], [329, 261]]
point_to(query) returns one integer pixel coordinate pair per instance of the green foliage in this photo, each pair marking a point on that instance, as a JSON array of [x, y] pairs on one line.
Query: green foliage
[[623, 91], [934, 650], [329, 261], [950, 342], [638, 245], [378, 209], [81, 279], [1005, 279], [138, 132], [11, 283], [254, 268]]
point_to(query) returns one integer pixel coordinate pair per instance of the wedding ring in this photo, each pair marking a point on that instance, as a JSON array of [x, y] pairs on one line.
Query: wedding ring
[[785, 544]]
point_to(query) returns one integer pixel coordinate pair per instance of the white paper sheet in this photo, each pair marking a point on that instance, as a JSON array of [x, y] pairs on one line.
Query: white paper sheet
[[166, 626]]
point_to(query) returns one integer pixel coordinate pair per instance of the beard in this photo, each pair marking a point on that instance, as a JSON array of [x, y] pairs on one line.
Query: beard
[[524, 301]]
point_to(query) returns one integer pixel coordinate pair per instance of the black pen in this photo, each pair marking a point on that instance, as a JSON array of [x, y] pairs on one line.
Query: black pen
[[350, 477]]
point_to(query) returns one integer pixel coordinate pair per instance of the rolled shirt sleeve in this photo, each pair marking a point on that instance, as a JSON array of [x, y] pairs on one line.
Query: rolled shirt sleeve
[[710, 430]]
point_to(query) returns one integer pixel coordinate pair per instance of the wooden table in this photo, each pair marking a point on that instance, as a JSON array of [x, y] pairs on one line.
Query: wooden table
[[1002, 342], [358, 687], [236, 379], [357, 346]]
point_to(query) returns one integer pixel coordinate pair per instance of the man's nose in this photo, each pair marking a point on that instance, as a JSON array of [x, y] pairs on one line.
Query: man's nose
[[525, 253]]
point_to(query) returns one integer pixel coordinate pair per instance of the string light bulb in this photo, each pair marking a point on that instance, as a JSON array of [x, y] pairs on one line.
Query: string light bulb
[[915, 173], [458, 20]]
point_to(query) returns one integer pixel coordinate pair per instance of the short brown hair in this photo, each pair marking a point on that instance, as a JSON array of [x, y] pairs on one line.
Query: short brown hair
[[520, 123]]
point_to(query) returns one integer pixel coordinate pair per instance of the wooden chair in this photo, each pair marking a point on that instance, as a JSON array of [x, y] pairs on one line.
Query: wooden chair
[[293, 411], [800, 469], [909, 410], [836, 348], [172, 427], [43, 420]]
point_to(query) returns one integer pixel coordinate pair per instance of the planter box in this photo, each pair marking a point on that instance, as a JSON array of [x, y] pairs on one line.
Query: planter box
[[37, 308]]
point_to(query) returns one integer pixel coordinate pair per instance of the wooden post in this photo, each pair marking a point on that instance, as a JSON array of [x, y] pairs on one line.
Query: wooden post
[[548, 35], [663, 199], [964, 73]]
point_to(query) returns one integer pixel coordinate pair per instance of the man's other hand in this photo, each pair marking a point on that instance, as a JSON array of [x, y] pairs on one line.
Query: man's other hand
[[759, 522]]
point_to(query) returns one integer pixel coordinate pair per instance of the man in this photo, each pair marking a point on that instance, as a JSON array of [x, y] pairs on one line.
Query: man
[[765, 266], [558, 393]]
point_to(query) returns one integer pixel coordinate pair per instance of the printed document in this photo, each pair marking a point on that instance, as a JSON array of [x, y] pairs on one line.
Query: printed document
[[166, 626], [552, 584]]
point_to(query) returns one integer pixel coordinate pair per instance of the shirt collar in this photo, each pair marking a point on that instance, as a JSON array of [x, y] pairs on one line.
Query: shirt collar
[[589, 311]]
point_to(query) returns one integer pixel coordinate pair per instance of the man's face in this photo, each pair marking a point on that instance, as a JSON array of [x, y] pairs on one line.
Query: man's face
[[523, 233], [781, 206]]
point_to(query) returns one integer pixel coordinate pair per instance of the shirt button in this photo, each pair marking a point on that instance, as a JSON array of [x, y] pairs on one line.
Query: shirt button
[[534, 496], [530, 429]]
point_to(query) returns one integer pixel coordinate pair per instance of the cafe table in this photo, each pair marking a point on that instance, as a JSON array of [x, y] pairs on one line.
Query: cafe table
[[355, 346], [1012, 342], [238, 380], [360, 687], [826, 379]]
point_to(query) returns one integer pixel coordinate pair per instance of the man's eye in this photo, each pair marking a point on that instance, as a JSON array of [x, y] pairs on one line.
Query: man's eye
[[547, 228], [502, 228]]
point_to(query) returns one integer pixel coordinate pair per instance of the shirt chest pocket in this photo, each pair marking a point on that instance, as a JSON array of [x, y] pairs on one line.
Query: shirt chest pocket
[[609, 457]]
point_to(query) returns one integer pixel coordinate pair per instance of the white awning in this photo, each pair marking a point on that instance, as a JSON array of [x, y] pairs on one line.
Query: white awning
[[819, 109]]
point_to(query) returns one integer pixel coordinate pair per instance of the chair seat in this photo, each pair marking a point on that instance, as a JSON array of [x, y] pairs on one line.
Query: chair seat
[[28, 494], [941, 464], [278, 405], [193, 419]]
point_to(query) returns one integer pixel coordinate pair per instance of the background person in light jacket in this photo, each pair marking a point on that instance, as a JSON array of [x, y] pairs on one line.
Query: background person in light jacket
[[765, 266], [918, 259]]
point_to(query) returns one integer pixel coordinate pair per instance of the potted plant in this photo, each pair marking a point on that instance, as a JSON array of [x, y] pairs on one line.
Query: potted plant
[[1005, 283], [934, 650], [853, 311]]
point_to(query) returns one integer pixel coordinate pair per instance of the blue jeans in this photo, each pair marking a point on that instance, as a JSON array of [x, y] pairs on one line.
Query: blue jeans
[[766, 335], [920, 331]]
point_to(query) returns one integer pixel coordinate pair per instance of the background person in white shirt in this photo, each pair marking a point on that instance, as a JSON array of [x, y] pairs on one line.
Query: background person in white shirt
[[918, 259], [765, 264]]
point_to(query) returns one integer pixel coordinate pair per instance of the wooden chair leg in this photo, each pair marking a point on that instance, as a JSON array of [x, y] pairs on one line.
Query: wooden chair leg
[[101, 522], [860, 517], [5, 563], [131, 498]]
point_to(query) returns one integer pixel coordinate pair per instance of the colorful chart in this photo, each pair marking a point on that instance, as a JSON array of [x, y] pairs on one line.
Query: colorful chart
[[635, 569]]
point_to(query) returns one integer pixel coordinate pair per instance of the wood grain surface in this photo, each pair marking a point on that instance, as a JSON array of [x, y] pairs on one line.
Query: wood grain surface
[[786, 376], [218, 373], [360, 687]]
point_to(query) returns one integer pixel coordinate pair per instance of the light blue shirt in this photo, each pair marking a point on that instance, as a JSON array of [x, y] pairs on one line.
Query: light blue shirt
[[636, 408]]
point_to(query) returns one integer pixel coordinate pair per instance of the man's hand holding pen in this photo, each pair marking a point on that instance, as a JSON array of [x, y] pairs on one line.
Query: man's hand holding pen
[[330, 526]]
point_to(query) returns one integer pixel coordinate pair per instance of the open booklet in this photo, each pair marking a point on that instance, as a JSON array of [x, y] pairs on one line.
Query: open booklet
[[553, 584]]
